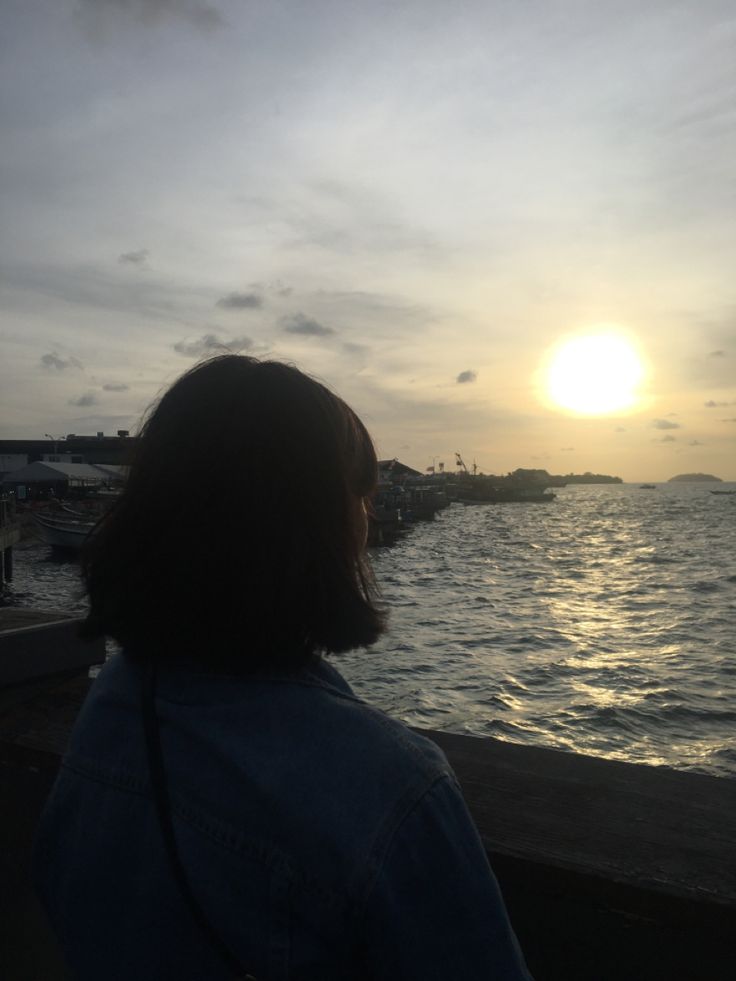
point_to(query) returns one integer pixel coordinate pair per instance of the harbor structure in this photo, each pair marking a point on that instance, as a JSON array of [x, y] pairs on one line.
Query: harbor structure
[[9, 536], [71, 448], [43, 480]]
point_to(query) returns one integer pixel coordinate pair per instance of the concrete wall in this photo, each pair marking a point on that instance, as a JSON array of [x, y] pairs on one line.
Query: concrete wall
[[51, 648], [611, 871]]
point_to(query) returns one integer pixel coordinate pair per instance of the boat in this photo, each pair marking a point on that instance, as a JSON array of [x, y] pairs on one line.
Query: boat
[[647, 486], [64, 532], [723, 492], [519, 487]]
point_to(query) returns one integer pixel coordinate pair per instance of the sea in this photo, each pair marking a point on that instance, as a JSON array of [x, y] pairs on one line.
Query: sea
[[603, 623]]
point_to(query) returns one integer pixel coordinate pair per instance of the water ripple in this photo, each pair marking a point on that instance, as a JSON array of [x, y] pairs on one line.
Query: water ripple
[[601, 624]]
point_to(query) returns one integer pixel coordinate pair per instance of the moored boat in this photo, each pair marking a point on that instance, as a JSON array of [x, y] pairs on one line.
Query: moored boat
[[64, 532]]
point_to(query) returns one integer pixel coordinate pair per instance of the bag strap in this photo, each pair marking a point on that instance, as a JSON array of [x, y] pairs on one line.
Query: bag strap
[[162, 801]]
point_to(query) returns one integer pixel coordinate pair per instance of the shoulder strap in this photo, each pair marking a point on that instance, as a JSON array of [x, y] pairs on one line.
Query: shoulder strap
[[163, 808]]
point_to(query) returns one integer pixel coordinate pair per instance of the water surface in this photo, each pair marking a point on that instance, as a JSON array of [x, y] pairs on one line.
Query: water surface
[[602, 623]]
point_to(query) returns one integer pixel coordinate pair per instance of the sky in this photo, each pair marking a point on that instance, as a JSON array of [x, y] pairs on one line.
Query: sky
[[414, 201]]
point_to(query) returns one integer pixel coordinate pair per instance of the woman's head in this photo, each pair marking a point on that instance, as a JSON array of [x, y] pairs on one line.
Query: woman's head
[[239, 538]]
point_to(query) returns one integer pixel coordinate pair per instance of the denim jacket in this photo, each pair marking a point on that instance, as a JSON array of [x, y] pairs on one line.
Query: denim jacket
[[323, 839]]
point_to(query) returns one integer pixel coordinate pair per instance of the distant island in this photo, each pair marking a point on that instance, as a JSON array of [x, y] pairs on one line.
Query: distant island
[[589, 478], [560, 480], [693, 478]]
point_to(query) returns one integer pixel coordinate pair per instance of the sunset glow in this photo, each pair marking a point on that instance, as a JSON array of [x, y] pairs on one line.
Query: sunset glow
[[595, 375], [490, 227]]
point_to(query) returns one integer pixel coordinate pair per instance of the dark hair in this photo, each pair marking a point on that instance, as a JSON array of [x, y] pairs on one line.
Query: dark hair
[[239, 539]]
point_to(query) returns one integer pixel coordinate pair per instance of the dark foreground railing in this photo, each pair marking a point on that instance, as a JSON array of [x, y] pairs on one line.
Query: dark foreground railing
[[9, 536], [611, 871]]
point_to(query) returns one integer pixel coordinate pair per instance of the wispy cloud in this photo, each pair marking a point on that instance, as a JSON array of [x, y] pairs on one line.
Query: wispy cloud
[[115, 388], [275, 286], [298, 323], [665, 424], [52, 360], [106, 291], [211, 343], [84, 401], [466, 376], [349, 219], [240, 301], [666, 439], [100, 15], [350, 347], [711, 404], [137, 258], [717, 354]]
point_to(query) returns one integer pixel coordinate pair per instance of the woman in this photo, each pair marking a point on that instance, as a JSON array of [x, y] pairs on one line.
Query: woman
[[227, 807]]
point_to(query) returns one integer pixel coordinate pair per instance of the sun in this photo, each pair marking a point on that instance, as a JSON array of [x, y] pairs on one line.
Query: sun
[[595, 374]]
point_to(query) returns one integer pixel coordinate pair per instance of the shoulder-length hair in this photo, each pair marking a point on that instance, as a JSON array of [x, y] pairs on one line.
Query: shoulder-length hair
[[239, 539]]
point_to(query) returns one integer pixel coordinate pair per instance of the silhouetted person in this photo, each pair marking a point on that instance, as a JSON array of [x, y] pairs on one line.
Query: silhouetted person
[[227, 807]]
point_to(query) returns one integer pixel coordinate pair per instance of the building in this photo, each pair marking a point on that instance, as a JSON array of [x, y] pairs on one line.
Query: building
[[392, 470], [99, 449], [43, 480]]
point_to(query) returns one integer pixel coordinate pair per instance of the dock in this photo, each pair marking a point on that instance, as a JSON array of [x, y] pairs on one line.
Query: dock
[[9, 536], [611, 871]]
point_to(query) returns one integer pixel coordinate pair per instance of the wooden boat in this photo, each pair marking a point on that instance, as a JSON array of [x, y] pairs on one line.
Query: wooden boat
[[723, 492], [64, 532], [519, 487], [647, 486]]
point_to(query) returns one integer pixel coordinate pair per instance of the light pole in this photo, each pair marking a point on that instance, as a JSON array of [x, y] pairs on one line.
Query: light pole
[[55, 440]]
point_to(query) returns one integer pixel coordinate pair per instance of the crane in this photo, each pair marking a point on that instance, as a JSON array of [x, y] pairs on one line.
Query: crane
[[460, 464]]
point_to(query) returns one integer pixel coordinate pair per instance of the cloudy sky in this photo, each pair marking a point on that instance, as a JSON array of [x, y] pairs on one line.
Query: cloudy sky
[[413, 200]]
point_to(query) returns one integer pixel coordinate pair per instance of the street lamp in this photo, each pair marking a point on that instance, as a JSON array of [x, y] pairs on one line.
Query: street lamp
[[55, 440]]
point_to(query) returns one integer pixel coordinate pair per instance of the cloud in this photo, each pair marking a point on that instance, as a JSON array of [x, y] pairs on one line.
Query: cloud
[[115, 388], [466, 376], [240, 301], [350, 347], [567, 449], [52, 360], [96, 15], [299, 324], [134, 258], [710, 404], [666, 439], [728, 420], [347, 218], [275, 286], [620, 429], [695, 442], [84, 401], [212, 343], [717, 354], [665, 424]]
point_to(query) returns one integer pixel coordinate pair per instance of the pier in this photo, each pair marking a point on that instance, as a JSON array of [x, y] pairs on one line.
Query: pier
[[9, 536], [611, 871]]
